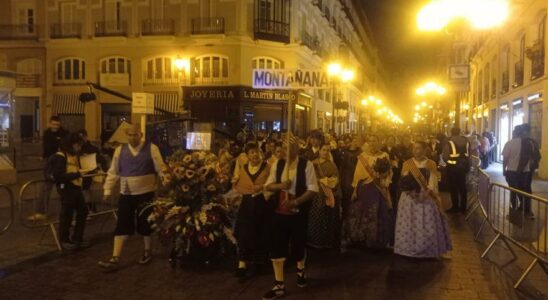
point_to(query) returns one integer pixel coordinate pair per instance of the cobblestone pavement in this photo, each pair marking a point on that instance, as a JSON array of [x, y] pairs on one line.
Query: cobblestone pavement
[[355, 275]]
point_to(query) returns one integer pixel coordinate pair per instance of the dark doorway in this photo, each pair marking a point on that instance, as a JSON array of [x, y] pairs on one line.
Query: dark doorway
[[27, 126]]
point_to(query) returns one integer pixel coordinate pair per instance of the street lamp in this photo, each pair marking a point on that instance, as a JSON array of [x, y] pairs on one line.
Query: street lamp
[[183, 66], [339, 74], [480, 14]]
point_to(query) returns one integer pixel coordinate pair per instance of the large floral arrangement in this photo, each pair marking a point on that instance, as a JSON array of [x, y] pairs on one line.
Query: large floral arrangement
[[190, 211]]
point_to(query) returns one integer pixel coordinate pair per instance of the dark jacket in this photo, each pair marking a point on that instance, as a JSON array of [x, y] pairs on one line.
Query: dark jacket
[[51, 140], [58, 168]]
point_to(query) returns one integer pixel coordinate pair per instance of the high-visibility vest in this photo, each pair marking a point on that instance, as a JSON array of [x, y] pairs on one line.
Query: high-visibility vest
[[454, 155]]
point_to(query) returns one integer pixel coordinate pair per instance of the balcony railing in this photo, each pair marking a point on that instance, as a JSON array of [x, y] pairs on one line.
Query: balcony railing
[[505, 84], [111, 28], [537, 64], [157, 80], [311, 42], [18, 32], [518, 74], [66, 30], [208, 25], [272, 30], [158, 27]]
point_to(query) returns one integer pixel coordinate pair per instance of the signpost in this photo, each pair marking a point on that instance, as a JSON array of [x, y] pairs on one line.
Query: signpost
[[143, 103]]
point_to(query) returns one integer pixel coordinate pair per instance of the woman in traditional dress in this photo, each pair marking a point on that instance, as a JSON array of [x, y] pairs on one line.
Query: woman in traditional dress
[[421, 227], [350, 158], [370, 220], [323, 216]]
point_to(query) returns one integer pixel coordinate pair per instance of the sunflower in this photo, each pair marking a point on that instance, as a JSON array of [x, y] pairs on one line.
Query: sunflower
[[189, 174], [187, 158], [185, 188]]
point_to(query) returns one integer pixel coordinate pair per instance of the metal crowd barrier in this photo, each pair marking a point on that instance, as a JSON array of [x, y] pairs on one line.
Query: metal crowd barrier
[[11, 208], [502, 207], [42, 193]]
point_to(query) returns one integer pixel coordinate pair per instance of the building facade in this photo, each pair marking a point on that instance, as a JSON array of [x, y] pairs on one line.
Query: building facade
[[508, 78], [193, 55]]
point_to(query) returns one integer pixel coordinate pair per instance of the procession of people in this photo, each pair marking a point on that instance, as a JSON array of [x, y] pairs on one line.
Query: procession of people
[[376, 191]]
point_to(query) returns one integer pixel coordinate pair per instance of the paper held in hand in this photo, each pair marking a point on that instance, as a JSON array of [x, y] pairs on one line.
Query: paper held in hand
[[88, 163]]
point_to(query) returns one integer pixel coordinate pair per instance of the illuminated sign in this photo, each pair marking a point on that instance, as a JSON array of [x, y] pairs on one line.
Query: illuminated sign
[[289, 79]]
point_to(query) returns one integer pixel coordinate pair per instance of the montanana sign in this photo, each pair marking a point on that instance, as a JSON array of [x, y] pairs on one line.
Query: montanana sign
[[289, 79]]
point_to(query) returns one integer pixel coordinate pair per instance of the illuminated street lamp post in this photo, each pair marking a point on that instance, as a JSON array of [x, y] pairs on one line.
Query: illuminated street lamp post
[[338, 74], [432, 88], [480, 14], [183, 66]]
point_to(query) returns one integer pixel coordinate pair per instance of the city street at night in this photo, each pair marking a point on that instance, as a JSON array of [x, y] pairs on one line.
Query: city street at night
[[273, 149]]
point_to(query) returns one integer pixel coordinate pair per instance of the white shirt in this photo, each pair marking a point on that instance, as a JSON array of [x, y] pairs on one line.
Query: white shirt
[[311, 180], [511, 153], [133, 185]]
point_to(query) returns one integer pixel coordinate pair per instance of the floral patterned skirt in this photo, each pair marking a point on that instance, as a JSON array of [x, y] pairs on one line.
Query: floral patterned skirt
[[369, 221], [421, 231]]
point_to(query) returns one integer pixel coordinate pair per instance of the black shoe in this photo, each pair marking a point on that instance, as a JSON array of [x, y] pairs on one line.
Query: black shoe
[[109, 265], [241, 272], [146, 258], [68, 246], [278, 291], [301, 278]]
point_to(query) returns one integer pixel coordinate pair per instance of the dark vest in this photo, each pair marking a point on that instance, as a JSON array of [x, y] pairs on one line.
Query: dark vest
[[139, 165], [300, 184]]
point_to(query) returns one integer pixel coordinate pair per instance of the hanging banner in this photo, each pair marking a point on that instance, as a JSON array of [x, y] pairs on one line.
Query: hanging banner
[[289, 79]]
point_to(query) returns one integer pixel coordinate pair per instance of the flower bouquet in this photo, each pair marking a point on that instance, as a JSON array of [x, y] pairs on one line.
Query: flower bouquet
[[190, 212]]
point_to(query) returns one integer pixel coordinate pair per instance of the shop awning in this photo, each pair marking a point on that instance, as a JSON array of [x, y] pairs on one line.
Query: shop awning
[[67, 104], [165, 101]]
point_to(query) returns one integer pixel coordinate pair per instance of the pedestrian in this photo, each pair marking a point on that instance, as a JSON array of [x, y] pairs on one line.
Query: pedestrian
[[370, 220], [392, 150], [51, 140], [65, 170], [90, 149], [312, 150], [294, 185], [456, 154], [346, 172], [421, 228], [253, 214], [136, 165], [323, 218], [521, 157], [484, 149]]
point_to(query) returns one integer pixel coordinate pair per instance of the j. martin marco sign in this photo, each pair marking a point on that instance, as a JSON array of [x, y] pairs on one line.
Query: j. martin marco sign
[[289, 79]]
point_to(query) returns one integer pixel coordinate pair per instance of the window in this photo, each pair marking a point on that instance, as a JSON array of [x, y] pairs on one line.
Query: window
[[115, 65], [160, 70], [265, 62], [71, 69], [209, 68]]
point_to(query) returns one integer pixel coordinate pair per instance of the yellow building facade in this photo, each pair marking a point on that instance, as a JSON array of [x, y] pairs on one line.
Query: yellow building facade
[[133, 45], [508, 78]]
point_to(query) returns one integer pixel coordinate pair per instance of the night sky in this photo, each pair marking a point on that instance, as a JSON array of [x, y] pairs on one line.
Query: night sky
[[410, 57]]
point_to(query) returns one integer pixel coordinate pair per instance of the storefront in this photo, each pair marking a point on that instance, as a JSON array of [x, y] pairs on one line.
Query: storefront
[[535, 116], [7, 86], [226, 108]]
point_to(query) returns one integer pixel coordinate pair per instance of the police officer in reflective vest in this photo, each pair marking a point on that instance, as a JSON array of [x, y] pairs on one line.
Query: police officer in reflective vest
[[456, 153]]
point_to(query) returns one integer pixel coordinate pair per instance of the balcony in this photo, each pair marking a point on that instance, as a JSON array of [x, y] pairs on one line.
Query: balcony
[[111, 28], [158, 27], [518, 74], [272, 30], [66, 30], [18, 32], [311, 42], [505, 86], [208, 26], [537, 64]]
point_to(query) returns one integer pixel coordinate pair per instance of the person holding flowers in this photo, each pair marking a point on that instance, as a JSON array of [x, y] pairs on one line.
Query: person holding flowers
[[293, 182], [136, 165], [370, 219], [249, 180]]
